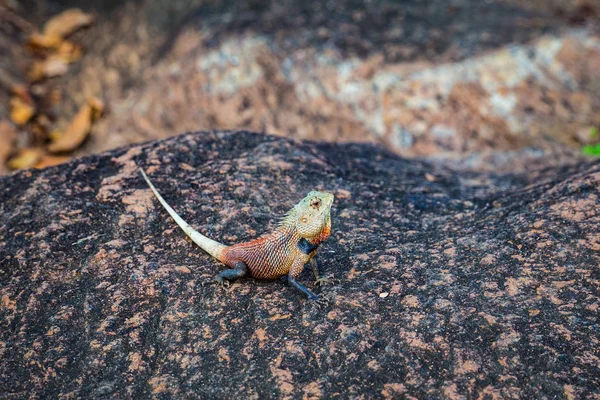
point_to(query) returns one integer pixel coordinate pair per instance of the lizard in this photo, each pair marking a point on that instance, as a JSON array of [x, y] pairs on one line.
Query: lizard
[[285, 251]]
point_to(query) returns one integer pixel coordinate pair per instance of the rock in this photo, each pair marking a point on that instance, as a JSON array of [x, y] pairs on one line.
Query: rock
[[428, 79], [536, 95], [491, 279]]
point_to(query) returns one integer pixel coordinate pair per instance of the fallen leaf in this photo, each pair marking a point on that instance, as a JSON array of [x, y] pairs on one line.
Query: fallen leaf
[[48, 160], [69, 51], [383, 295], [54, 135], [25, 158], [59, 27], [67, 22], [47, 42], [97, 107], [20, 111], [7, 136], [54, 65], [78, 129]]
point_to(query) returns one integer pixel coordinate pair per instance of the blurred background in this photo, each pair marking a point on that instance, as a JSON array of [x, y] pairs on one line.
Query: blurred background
[[480, 84]]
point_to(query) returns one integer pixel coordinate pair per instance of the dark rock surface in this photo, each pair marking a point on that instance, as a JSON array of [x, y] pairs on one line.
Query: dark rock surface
[[449, 284]]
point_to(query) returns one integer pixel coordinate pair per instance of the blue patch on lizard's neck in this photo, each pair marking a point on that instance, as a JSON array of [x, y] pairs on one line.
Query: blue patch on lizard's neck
[[307, 247]]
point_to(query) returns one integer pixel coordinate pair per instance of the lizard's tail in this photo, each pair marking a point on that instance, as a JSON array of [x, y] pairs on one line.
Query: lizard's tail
[[212, 247]]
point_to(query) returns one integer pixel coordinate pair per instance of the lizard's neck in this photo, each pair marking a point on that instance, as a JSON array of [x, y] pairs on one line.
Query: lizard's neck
[[321, 237]]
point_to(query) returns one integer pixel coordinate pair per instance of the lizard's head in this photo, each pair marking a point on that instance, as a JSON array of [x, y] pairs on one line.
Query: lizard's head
[[313, 215]]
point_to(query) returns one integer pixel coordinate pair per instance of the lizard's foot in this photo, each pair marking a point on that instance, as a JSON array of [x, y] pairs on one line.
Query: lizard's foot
[[322, 281], [225, 276], [224, 283], [319, 302]]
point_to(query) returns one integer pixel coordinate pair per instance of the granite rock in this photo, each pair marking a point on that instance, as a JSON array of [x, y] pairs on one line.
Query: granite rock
[[539, 95], [447, 284]]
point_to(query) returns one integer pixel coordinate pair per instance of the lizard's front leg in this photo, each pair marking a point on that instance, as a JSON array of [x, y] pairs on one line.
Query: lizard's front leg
[[240, 270], [315, 269], [297, 267]]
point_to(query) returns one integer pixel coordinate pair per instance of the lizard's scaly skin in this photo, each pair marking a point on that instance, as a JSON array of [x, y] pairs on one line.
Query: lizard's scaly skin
[[272, 256], [283, 252]]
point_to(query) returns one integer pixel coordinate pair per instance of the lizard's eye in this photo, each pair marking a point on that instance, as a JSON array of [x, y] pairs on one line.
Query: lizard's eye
[[315, 203], [304, 220]]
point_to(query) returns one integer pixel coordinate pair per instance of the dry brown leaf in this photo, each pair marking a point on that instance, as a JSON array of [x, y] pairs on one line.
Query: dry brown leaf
[[97, 107], [67, 22], [55, 135], [59, 27], [7, 137], [54, 65], [69, 51], [36, 72], [46, 42], [20, 111], [48, 160], [78, 129], [25, 158]]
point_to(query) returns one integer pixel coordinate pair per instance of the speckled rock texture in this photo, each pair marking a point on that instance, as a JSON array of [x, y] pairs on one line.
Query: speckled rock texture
[[447, 284]]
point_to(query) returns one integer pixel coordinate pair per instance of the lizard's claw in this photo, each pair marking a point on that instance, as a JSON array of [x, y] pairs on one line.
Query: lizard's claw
[[314, 302], [318, 302], [325, 281], [322, 281], [224, 283]]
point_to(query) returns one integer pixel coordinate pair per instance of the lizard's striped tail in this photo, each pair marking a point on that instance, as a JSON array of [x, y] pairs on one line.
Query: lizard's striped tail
[[212, 247]]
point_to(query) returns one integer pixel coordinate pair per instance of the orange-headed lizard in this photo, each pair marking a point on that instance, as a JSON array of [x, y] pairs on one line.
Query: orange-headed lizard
[[284, 252]]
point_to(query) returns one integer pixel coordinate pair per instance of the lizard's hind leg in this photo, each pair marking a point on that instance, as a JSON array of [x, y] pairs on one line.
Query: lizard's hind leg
[[240, 270]]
